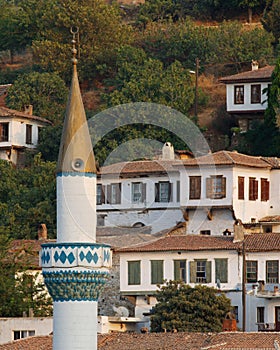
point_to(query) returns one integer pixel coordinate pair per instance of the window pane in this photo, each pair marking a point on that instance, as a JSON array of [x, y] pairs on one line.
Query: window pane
[[272, 271], [137, 192], [4, 132], [251, 271], [239, 94], [260, 314], [28, 134], [221, 270], [201, 271], [256, 93], [156, 271], [133, 272], [180, 270]]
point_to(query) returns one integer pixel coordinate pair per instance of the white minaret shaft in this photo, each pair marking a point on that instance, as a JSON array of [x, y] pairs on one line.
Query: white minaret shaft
[[76, 267]]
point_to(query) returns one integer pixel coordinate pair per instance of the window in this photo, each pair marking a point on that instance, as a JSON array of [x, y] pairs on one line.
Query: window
[[256, 93], [205, 232], [253, 189], [28, 139], [4, 132], [156, 271], [260, 314], [235, 312], [163, 192], [114, 193], [216, 187], [100, 220], [238, 94], [221, 270], [134, 272], [251, 271], [180, 270], [241, 187], [138, 192], [178, 191], [195, 187], [100, 195], [200, 271], [264, 190], [272, 271], [23, 334]]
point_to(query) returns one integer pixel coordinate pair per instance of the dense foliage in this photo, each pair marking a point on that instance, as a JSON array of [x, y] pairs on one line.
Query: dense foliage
[[186, 309]]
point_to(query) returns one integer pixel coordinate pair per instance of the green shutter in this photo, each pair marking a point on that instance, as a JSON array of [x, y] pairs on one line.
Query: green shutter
[[176, 270], [192, 271], [208, 271], [156, 271], [133, 272], [221, 270]]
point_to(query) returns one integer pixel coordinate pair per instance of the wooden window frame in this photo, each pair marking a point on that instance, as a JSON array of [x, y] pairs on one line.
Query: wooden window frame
[[194, 187], [158, 192], [111, 197], [260, 314], [256, 97], [272, 272], [134, 272], [252, 271], [141, 191], [157, 272], [239, 94], [221, 270], [264, 190], [241, 187], [253, 189], [28, 134], [4, 132], [200, 271], [180, 270], [215, 190]]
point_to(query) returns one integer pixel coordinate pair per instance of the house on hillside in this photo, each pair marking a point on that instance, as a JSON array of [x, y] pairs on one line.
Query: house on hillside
[[19, 131], [211, 261], [210, 194], [140, 193], [246, 97], [219, 189]]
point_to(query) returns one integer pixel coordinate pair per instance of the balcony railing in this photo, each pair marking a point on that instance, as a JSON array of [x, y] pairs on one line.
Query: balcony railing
[[267, 327]]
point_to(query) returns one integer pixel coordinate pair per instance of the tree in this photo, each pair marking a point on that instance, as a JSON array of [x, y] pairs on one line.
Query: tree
[[187, 309], [46, 92], [271, 21], [250, 5]]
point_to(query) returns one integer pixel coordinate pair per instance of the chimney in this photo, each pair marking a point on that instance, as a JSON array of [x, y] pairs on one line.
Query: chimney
[[28, 109], [42, 232], [238, 231], [168, 151], [255, 65]]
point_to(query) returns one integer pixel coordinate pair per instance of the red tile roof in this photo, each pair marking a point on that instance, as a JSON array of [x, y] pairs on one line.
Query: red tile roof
[[258, 75], [162, 341], [186, 242], [140, 167], [228, 158], [258, 242], [6, 112], [271, 218]]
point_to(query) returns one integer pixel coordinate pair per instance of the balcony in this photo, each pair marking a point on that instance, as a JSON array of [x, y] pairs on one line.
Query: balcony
[[267, 327]]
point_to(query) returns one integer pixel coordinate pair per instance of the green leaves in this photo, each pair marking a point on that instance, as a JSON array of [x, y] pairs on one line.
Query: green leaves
[[180, 307]]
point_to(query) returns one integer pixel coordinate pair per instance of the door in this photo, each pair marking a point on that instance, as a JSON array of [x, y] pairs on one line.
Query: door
[[277, 318]]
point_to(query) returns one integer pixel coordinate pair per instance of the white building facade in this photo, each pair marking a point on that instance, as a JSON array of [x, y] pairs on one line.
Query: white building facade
[[211, 261]]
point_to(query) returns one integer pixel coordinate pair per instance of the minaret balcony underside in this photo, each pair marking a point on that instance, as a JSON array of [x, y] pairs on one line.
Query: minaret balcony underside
[[71, 255]]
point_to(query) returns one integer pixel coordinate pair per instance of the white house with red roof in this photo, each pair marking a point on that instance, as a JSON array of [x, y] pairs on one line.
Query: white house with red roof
[[210, 193], [246, 95], [219, 262], [18, 131]]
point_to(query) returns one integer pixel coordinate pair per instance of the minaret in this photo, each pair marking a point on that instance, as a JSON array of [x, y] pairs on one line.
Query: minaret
[[76, 267]]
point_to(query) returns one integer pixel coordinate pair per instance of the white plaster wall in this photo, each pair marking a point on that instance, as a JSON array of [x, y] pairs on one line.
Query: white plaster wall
[[76, 209], [247, 105], [205, 172], [274, 203], [247, 209], [234, 271], [41, 325], [222, 219], [159, 219]]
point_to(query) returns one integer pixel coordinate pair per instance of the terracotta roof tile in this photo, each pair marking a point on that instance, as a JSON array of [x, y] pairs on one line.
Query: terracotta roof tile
[[258, 75], [6, 112], [262, 242], [162, 341], [228, 158], [271, 218], [143, 167], [185, 242]]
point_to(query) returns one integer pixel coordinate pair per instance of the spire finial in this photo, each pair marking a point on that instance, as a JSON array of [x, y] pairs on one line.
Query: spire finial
[[74, 31]]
